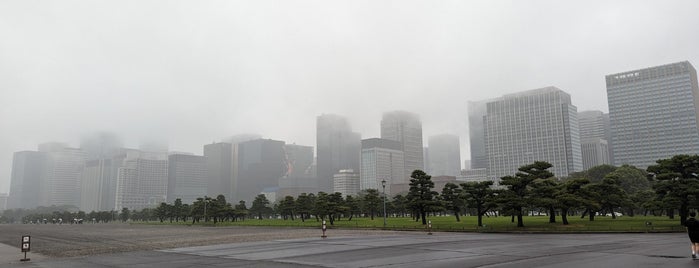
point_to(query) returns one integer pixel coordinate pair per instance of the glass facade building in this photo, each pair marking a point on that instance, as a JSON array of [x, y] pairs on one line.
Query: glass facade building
[[534, 125], [653, 113]]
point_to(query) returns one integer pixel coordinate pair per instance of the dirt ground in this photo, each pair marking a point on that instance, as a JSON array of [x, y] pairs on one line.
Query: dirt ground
[[88, 239]]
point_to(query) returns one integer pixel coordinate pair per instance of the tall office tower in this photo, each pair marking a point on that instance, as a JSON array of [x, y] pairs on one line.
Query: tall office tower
[[594, 138], [406, 128], [445, 155], [477, 111], [258, 165], [63, 175], [346, 182], [186, 178], [219, 165], [299, 176], [534, 125], [97, 182], [28, 180], [653, 113], [338, 148], [3, 201], [102, 145], [426, 159], [382, 159], [142, 180]]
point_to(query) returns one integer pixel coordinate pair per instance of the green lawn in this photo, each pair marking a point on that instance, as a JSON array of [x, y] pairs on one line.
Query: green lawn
[[492, 224]]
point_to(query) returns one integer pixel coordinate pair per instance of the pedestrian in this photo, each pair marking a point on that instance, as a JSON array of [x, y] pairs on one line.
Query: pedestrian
[[693, 231]]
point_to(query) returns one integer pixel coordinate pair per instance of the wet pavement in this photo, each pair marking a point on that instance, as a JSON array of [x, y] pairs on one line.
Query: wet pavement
[[412, 250]]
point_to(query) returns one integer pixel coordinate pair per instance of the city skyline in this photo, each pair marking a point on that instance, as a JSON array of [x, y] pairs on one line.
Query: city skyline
[[194, 74]]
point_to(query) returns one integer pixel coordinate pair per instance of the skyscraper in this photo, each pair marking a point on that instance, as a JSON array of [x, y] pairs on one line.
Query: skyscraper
[[63, 175], [186, 178], [258, 165], [337, 147], [534, 125], [299, 176], [142, 180], [477, 111], [382, 159], [96, 185], [219, 166], [444, 155], [653, 113], [594, 138], [28, 179], [405, 128]]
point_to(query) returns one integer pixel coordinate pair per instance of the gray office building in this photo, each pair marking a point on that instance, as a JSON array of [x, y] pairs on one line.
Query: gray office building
[[258, 166], [337, 148], [477, 111], [534, 125], [653, 113], [28, 180], [219, 166], [444, 157], [186, 178], [405, 128]]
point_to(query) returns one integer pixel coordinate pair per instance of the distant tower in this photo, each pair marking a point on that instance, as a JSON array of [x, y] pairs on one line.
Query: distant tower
[[28, 180], [219, 165], [534, 125], [594, 138], [444, 156], [258, 166], [142, 180], [337, 148], [476, 129], [653, 113], [405, 128]]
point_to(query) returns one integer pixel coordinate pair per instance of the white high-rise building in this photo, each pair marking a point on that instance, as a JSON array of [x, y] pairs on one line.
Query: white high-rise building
[[381, 160], [534, 125], [63, 175], [653, 113], [444, 155], [346, 182], [142, 180], [405, 128]]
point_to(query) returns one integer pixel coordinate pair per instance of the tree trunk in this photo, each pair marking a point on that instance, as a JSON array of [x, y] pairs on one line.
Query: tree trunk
[[613, 214], [520, 221], [457, 216], [592, 216], [552, 215], [564, 216], [423, 214]]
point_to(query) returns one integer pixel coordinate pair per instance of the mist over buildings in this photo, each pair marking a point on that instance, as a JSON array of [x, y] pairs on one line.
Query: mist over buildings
[[179, 75]]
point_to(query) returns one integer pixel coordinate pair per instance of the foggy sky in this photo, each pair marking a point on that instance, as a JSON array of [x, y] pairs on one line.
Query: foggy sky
[[193, 72]]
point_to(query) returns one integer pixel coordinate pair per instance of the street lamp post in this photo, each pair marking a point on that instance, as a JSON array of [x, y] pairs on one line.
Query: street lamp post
[[383, 184]]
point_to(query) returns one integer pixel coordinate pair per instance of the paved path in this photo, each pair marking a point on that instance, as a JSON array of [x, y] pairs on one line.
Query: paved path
[[10, 255], [416, 250]]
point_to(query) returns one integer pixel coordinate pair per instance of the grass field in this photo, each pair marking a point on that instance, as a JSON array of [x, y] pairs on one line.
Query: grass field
[[492, 224]]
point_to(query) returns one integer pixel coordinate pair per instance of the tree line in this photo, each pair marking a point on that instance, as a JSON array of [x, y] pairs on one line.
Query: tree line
[[670, 186]]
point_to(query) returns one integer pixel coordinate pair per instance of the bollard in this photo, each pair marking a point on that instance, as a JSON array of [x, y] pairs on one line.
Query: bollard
[[26, 246], [429, 227], [324, 227]]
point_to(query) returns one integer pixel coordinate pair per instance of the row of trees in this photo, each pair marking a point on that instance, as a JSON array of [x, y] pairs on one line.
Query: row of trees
[[672, 184]]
